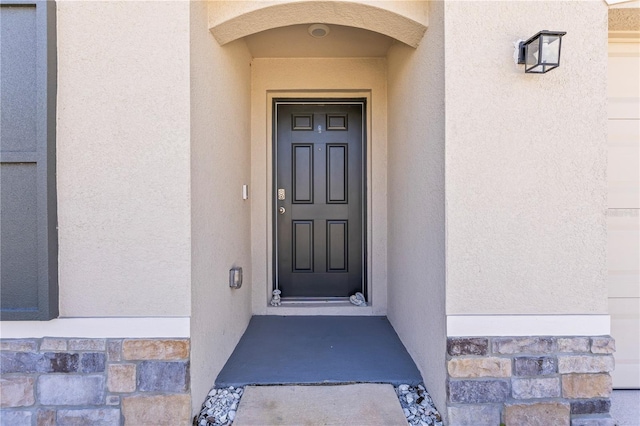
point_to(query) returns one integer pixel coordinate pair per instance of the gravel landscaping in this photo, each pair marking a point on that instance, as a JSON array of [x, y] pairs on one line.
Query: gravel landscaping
[[418, 406], [219, 409]]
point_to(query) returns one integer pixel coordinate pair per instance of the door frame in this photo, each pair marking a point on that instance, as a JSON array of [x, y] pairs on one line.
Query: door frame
[[317, 79], [362, 101]]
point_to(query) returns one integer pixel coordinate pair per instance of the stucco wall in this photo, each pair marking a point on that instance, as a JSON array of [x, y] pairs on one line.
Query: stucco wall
[[403, 20], [318, 77], [525, 161], [220, 165], [123, 158], [225, 10], [416, 230]]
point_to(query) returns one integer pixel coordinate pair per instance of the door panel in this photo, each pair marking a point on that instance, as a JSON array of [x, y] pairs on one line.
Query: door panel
[[303, 245], [337, 245], [337, 172], [319, 206], [302, 173]]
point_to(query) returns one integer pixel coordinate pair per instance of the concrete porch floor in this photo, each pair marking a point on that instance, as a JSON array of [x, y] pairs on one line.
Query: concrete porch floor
[[359, 404], [281, 350], [625, 407]]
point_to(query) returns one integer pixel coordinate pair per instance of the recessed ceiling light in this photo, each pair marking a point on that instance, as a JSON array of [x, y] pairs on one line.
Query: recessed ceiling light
[[318, 30]]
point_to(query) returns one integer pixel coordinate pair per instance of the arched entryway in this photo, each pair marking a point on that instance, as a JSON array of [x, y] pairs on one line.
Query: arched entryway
[[402, 21], [377, 52]]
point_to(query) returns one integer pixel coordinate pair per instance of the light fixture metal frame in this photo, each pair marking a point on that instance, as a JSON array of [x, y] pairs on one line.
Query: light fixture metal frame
[[538, 37]]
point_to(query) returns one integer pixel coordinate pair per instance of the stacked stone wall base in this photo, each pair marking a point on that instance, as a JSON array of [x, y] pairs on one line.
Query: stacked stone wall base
[[57, 381], [535, 380]]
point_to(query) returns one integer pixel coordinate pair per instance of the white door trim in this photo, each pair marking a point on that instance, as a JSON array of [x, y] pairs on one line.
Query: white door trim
[[318, 78]]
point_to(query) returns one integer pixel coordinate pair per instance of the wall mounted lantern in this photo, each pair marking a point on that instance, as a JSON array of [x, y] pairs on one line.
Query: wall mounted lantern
[[541, 53]]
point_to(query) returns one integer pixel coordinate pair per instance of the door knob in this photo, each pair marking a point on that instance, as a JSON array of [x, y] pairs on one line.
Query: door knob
[[281, 210]]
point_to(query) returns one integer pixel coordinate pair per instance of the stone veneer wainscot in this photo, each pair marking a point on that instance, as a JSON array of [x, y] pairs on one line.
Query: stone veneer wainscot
[[535, 380], [52, 381]]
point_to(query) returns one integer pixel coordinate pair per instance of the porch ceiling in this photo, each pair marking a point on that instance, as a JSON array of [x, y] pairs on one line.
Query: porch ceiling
[[295, 42]]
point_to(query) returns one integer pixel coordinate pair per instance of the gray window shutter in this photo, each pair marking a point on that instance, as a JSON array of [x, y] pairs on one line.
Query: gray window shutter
[[28, 219]]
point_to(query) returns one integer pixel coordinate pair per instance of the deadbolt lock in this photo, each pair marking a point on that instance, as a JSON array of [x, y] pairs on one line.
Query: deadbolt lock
[[281, 194]]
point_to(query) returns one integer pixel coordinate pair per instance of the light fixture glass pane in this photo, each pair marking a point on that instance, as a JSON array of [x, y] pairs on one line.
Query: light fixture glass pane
[[550, 49], [532, 52]]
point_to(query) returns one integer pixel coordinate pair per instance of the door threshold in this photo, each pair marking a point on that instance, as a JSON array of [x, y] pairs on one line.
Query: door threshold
[[320, 307], [315, 300]]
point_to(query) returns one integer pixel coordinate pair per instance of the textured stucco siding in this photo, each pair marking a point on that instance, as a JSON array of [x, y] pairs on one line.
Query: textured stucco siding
[[416, 230], [123, 158], [405, 21], [220, 218], [525, 161]]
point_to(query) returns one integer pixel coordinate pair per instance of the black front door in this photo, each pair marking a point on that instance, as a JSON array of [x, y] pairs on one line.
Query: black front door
[[319, 198]]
